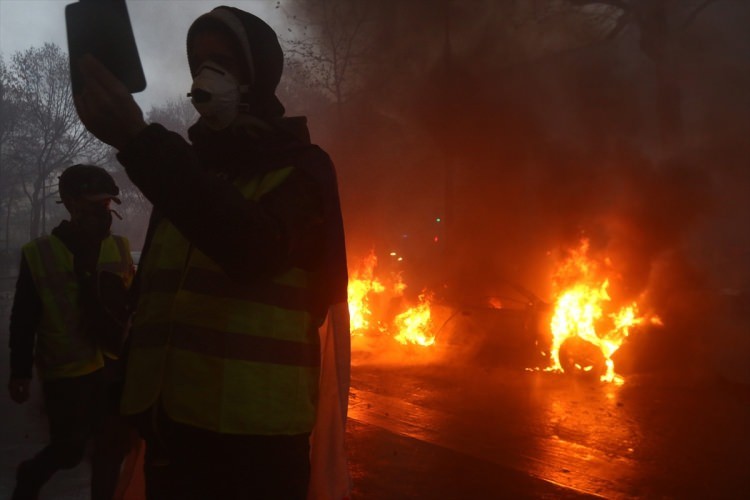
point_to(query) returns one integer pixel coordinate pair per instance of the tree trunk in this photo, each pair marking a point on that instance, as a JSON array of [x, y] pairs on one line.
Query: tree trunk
[[669, 108], [34, 224], [8, 204], [657, 42]]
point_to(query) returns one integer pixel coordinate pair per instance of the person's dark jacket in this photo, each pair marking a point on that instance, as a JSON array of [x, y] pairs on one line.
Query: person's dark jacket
[[296, 224]]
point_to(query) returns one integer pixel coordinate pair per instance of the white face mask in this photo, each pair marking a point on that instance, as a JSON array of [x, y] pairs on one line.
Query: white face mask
[[216, 95]]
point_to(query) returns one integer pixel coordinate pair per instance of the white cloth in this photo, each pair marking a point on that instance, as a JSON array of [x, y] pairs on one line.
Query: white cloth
[[329, 474]]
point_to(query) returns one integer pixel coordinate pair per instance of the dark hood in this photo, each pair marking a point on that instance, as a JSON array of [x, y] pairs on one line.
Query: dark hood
[[263, 57]]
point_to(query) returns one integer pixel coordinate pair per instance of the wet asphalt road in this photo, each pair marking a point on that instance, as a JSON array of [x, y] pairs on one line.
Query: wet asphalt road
[[459, 430], [500, 434]]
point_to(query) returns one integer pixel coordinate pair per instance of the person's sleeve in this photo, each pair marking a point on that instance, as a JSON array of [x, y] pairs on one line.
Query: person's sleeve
[[246, 238], [24, 320]]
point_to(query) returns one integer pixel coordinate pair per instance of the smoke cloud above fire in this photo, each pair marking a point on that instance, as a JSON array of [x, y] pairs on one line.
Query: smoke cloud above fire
[[524, 129]]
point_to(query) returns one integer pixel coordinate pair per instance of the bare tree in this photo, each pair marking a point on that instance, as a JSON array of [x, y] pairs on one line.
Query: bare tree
[[8, 118], [8, 114], [47, 135], [176, 114], [659, 24], [330, 43]]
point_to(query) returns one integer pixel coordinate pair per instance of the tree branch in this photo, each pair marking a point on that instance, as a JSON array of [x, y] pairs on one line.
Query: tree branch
[[622, 22], [691, 17], [620, 4]]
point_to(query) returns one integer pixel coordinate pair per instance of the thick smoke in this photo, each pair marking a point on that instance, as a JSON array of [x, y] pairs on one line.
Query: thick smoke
[[526, 130]]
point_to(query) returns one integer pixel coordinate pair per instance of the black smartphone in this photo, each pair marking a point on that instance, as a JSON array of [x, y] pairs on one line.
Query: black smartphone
[[102, 28]]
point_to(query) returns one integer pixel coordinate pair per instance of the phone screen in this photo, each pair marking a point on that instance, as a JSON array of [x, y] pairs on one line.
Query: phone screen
[[102, 28]]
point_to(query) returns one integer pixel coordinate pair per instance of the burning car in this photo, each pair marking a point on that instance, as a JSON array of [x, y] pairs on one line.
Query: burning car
[[578, 331]]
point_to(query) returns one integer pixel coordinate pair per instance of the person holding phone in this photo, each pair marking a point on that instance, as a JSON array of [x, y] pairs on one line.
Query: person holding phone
[[63, 320], [244, 260]]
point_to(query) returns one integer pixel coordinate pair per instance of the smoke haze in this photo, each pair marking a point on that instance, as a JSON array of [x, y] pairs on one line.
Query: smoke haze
[[482, 140], [526, 131]]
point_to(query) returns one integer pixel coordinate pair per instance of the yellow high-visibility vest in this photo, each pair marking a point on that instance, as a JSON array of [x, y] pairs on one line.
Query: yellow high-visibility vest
[[63, 349], [237, 358]]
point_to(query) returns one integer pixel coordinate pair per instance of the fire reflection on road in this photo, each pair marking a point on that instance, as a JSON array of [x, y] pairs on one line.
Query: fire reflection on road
[[614, 441], [588, 439]]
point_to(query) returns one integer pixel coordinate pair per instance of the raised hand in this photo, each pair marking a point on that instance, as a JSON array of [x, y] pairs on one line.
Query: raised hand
[[105, 106]]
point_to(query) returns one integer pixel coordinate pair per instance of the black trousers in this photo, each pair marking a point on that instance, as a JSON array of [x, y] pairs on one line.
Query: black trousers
[[186, 463], [79, 409]]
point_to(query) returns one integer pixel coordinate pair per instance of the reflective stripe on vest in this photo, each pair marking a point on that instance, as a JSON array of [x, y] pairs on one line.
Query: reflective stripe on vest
[[230, 357], [62, 348]]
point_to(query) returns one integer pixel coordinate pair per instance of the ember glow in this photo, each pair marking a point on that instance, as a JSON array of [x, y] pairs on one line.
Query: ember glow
[[583, 309]]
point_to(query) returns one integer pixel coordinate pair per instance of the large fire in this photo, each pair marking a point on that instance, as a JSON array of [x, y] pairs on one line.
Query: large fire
[[583, 309], [584, 313], [414, 325], [362, 284], [407, 325]]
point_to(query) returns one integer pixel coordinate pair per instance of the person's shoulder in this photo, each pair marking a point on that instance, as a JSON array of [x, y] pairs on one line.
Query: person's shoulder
[[313, 159], [40, 246], [39, 240], [316, 152], [121, 240]]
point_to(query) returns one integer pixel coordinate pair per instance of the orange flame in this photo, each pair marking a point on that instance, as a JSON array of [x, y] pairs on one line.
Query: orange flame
[[495, 303], [369, 315], [414, 325], [361, 284], [581, 311]]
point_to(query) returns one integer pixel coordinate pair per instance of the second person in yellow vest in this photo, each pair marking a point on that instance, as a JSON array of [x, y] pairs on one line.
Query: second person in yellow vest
[[61, 322]]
